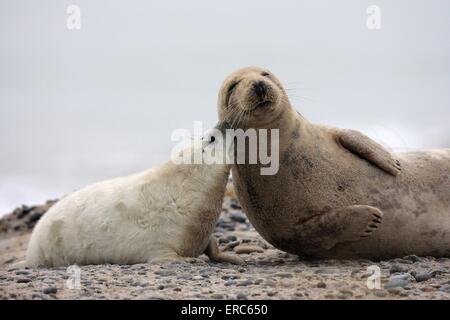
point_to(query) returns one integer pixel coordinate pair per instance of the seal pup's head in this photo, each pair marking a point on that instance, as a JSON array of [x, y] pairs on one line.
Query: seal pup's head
[[251, 96], [194, 171], [203, 158]]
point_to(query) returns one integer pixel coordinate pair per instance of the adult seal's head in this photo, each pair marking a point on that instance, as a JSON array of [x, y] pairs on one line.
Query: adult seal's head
[[252, 97]]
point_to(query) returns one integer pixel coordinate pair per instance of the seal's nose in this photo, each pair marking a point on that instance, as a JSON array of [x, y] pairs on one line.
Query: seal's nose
[[260, 89]]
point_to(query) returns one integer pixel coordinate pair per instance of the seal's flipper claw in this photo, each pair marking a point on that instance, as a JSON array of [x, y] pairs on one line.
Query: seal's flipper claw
[[349, 224]]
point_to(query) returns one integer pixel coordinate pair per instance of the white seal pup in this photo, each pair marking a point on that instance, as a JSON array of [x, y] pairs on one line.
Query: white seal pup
[[167, 212]]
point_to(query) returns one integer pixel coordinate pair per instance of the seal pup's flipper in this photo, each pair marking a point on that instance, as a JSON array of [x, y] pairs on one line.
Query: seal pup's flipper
[[213, 252], [350, 224], [366, 148]]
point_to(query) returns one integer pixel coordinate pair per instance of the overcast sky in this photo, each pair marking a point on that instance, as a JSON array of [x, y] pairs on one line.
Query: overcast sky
[[78, 106]]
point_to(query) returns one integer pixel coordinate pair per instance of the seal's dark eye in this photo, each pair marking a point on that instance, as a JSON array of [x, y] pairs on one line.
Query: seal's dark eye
[[265, 74], [231, 88], [212, 139], [230, 91]]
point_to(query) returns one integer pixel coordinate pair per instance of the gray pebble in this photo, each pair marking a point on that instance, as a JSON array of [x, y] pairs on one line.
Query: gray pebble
[[399, 281], [22, 272], [322, 271], [241, 296], [445, 288], [225, 225], [283, 275], [380, 293], [142, 284], [321, 285], [398, 260], [238, 217], [346, 292], [354, 272], [440, 271], [393, 290], [272, 293], [245, 283], [50, 290], [270, 283], [413, 258], [398, 268], [443, 260], [424, 276], [164, 273], [39, 296], [219, 230], [235, 205], [230, 276]]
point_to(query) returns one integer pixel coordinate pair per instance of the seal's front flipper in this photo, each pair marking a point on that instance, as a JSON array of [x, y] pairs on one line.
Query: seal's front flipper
[[350, 224], [368, 149], [213, 252]]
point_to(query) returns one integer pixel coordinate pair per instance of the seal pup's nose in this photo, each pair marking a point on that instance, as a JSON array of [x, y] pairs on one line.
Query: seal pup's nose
[[260, 89]]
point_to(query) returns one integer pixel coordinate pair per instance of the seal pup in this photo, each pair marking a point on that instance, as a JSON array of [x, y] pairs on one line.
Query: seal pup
[[165, 213], [337, 194]]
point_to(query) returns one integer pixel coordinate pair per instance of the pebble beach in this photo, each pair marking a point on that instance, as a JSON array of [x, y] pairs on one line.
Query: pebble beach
[[268, 273]]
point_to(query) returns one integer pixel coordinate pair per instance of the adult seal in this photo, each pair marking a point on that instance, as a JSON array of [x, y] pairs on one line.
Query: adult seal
[[337, 194], [165, 213]]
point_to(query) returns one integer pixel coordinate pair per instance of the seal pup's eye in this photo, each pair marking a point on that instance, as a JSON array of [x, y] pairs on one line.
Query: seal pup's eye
[[212, 139], [265, 74]]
